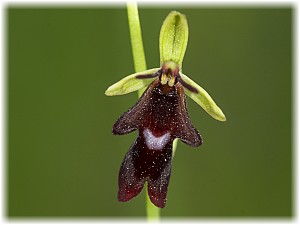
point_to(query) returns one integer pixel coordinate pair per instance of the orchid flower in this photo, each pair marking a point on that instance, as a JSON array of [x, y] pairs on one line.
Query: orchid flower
[[160, 116]]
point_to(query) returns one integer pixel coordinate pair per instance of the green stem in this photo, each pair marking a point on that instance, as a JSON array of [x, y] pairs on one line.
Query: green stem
[[139, 65], [153, 213], [136, 39]]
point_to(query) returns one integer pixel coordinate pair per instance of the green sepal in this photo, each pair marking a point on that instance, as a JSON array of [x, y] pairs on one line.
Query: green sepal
[[203, 99], [173, 38], [130, 83]]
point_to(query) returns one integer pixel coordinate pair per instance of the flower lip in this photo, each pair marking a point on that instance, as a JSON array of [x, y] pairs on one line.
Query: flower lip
[[160, 116]]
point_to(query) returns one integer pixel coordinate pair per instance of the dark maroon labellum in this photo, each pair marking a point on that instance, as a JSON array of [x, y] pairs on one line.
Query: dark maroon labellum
[[160, 116]]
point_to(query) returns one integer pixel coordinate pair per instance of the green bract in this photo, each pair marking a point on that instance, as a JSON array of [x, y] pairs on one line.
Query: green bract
[[172, 45]]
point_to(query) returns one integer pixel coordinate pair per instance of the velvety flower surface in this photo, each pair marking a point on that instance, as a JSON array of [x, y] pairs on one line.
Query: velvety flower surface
[[160, 116]]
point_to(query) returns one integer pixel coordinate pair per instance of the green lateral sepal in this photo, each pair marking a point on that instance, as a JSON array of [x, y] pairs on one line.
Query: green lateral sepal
[[203, 99], [130, 83]]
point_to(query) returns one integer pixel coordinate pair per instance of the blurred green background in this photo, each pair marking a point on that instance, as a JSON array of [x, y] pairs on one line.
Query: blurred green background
[[62, 159]]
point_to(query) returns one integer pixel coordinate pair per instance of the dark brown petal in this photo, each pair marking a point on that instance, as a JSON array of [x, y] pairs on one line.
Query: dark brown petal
[[160, 115], [144, 164], [187, 86], [186, 131], [130, 185], [134, 117], [147, 76]]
